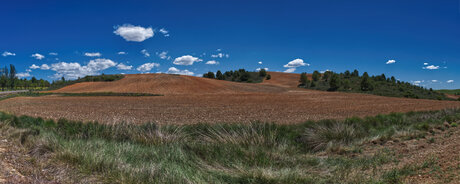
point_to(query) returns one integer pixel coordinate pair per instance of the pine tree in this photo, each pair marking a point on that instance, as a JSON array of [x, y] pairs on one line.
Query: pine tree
[[219, 75], [303, 79], [316, 75]]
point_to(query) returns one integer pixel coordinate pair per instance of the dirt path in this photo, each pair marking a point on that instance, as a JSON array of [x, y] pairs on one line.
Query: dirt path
[[435, 157]]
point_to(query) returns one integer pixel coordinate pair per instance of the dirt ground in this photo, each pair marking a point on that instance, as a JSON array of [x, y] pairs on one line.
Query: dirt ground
[[289, 107], [190, 99], [436, 155]]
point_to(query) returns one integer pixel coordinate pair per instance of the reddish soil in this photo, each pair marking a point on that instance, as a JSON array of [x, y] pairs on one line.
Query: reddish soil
[[192, 100]]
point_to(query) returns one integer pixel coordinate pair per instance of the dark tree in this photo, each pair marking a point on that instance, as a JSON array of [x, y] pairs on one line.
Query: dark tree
[[334, 83], [262, 73], [268, 77], [366, 84], [355, 73], [219, 75], [347, 74], [316, 75], [303, 79]]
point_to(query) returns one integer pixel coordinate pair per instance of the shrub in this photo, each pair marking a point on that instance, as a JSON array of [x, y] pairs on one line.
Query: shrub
[[270, 77], [262, 73]]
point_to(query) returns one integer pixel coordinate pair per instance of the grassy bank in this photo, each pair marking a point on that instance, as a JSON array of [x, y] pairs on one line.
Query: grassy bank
[[228, 153]]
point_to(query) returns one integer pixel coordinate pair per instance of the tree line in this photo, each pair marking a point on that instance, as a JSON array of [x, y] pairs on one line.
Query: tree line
[[378, 85], [10, 81], [240, 75]]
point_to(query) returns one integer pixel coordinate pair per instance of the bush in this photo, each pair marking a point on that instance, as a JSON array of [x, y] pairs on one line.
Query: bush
[[270, 77]]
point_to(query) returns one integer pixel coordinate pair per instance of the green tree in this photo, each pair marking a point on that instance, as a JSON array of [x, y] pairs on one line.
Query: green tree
[[346, 84], [355, 73], [303, 79], [347, 74], [219, 75], [262, 72], [334, 83], [316, 75], [12, 76], [3, 82], [268, 77], [366, 84]]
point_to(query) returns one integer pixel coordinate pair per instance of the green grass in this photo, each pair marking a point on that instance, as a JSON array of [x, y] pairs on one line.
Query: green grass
[[226, 153], [450, 91]]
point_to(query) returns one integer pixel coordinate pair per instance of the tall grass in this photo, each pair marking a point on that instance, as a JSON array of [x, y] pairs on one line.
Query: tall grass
[[221, 153]]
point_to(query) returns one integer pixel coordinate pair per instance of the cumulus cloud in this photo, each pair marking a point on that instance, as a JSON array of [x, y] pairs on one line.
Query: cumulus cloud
[[164, 32], [121, 53], [417, 83], [134, 33], [6, 53], [45, 67], [220, 55], [53, 54], [163, 55], [450, 81], [38, 56], [289, 70], [266, 69], [212, 62], [391, 61], [122, 66], [34, 66], [425, 64], [146, 54], [296, 63], [75, 70], [186, 60], [93, 54], [434, 80], [260, 62], [174, 70], [23, 75], [431, 67], [147, 67]]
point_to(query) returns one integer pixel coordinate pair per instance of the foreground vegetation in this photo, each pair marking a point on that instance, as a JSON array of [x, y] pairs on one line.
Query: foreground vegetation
[[377, 85], [228, 153], [240, 75]]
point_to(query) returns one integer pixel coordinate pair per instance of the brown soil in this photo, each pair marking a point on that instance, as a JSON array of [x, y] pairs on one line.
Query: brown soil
[[441, 157], [190, 99]]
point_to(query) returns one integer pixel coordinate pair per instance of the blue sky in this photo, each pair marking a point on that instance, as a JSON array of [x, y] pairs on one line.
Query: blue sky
[[422, 37]]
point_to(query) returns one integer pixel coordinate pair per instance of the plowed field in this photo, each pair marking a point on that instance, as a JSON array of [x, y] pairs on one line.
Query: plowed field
[[192, 100]]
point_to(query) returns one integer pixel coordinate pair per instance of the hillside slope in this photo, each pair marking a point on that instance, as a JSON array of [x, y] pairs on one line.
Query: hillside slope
[[180, 84]]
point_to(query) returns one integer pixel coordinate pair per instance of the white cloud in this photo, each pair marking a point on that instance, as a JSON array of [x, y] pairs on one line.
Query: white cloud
[[23, 75], [164, 32], [431, 67], [45, 67], [122, 66], [147, 67], [121, 53], [450, 81], [6, 53], [134, 33], [75, 70], [34, 66], [220, 55], [93, 54], [186, 60], [37, 56], [174, 70], [163, 55], [434, 80], [146, 54], [260, 62], [417, 83], [212, 62], [289, 70], [425, 64], [296, 63], [266, 69], [391, 61], [53, 53]]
